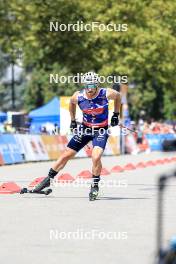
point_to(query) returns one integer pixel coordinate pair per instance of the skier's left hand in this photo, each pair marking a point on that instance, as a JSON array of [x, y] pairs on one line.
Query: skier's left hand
[[115, 119]]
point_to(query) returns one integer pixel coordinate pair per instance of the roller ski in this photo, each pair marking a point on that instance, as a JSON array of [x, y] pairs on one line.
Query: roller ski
[[93, 192], [40, 188], [45, 192]]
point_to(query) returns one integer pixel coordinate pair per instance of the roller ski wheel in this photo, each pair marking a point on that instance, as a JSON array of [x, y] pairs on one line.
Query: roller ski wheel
[[93, 193], [45, 192]]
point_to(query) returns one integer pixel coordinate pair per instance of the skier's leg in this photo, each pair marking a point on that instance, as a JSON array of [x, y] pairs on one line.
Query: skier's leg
[[99, 143], [75, 144], [96, 160], [96, 171], [57, 166]]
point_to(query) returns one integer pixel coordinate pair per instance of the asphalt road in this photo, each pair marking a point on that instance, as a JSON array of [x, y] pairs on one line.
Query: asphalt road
[[120, 227]]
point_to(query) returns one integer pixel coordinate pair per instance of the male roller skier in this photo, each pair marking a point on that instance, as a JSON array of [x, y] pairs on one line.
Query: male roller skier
[[93, 101]]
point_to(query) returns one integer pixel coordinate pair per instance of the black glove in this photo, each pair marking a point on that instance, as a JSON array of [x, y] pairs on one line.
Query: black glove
[[115, 119], [73, 124]]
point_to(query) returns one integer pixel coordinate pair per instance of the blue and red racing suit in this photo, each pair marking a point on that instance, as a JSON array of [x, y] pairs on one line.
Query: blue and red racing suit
[[95, 115]]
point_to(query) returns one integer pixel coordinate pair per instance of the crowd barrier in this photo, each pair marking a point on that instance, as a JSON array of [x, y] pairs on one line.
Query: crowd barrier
[[150, 142], [18, 148], [155, 141]]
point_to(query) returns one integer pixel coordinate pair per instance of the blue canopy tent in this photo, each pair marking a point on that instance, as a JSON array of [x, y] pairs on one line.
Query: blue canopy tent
[[3, 116], [50, 112]]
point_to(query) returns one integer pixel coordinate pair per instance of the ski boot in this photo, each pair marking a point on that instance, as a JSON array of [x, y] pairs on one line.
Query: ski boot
[[93, 192]]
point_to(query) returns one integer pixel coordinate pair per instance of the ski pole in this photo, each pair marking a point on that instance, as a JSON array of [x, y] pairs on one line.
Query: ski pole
[[131, 130]]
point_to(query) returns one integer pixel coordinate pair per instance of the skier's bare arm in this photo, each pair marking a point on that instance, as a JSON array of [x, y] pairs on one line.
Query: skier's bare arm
[[116, 96], [72, 105]]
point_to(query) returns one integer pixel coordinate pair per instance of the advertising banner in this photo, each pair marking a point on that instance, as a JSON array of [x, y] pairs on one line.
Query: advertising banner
[[51, 145], [10, 149], [1, 160], [62, 142], [25, 147], [38, 147]]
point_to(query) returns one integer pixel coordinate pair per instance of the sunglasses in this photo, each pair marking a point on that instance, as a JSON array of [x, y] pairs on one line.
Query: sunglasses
[[90, 86]]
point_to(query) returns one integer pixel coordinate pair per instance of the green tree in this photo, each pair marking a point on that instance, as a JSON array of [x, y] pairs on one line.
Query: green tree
[[146, 52], [39, 90]]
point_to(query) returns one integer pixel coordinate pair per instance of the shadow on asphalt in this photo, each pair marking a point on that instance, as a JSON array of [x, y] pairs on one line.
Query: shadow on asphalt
[[76, 197], [123, 198]]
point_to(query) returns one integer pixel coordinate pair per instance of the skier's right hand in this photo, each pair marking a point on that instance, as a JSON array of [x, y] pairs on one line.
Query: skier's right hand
[[73, 124]]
